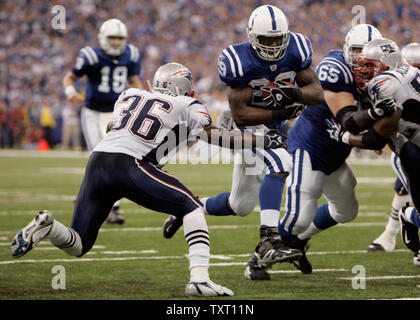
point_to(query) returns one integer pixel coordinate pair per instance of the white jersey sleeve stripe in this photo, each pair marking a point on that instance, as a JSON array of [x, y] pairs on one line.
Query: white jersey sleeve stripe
[[87, 55], [238, 60], [344, 67], [232, 65], [94, 55], [134, 53], [299, 47], [304, 45]]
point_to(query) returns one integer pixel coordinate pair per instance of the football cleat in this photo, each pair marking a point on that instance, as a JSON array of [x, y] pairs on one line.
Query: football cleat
[[409, 232], [255, 272], [385, 242], [272, 250], [171, 226], [206, 289], [115, 216], [302, 263], [33, 233]]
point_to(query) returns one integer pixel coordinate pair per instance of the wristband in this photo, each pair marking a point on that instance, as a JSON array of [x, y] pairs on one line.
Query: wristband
[[69, 90], [345, 137]]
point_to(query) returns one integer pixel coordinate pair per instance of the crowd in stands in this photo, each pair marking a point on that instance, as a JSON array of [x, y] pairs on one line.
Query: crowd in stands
[[34, 56]]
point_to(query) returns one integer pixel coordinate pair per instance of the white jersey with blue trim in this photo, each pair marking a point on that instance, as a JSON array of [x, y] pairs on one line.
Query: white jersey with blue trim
[[240, 65], [403, 85], [150, 125]]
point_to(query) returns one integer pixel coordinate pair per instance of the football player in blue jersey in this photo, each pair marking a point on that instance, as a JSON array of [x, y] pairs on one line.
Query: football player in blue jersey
[[387, 240], [318, 160], [272, 54], [109, 69]]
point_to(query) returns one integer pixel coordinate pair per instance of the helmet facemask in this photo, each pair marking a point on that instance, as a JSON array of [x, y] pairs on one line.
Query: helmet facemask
[[366, 70], [269, 52]]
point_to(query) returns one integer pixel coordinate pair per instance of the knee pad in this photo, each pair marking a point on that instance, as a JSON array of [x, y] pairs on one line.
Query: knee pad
[[346, 211]]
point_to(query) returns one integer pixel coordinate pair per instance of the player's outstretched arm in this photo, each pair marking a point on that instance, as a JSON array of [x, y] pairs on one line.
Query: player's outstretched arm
[[68, 83], [234, 139], [312, 92], [244, 114], [375, 138]]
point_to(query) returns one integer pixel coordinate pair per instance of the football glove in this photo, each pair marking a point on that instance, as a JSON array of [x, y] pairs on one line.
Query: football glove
[[335, 130], [275, 139], [281, 96], [383, 108]]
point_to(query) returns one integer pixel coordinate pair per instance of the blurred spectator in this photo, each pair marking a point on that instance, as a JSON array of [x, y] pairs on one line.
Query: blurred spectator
[[34, 56], [71, 127], [48, 123]]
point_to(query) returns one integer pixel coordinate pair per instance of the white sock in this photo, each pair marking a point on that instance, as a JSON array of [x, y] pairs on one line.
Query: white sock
[[66, 239], [203, 201], [270, 217], [393, 225], [408, 212], [197, 237], [310, 232]]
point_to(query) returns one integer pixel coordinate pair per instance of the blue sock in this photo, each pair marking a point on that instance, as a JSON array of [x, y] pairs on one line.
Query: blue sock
[[323, 219], [285, 235], [217, 205], [271, 192], [415, 218]]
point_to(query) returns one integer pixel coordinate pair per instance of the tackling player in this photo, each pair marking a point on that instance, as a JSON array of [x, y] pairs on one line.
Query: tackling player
[[390, 81], [127, 163], [109, 69], [387, 240], [272, 54]]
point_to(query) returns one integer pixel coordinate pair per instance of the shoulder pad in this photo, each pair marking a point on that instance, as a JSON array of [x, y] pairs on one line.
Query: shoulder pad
[[303, 45], [333, 70], [90, 55], [134, 53], [231, 65]]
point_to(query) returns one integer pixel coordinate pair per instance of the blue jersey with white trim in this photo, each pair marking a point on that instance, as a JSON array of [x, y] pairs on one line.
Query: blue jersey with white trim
[[106, 77], [310, 130], [240, 65]]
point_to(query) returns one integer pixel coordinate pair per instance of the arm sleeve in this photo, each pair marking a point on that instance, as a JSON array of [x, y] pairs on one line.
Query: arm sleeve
[[82, 64], [135, 59], [334, 76], [230, 69], [196, 117]]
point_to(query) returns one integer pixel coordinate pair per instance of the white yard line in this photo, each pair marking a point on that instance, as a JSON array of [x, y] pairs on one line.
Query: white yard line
[[383, 277]]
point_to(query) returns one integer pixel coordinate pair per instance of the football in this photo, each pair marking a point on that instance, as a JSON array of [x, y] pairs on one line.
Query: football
[[272, 85]]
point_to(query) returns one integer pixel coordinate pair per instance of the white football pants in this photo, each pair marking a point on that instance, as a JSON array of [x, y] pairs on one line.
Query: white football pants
[[94, 125], [248, 173], [305, 186]]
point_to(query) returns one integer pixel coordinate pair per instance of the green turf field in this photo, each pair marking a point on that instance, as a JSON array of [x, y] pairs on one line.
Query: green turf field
[[134, 261]]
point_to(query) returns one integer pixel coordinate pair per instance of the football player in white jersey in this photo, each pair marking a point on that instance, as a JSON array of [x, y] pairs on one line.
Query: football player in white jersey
[[389, 80], [146, 127], [109, 69], [387, 240]]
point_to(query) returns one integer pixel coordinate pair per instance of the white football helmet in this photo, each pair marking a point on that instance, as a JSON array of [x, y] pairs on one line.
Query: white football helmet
[[357, 37], [411, 53], [113, 28], [268, 21], [376, 57], [173, 78]]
